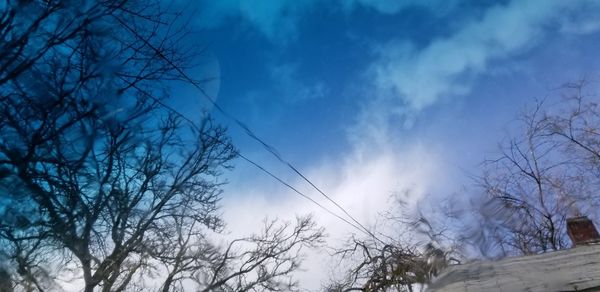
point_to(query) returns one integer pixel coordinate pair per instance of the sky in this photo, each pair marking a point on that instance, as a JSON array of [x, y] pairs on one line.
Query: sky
[[375, 98]]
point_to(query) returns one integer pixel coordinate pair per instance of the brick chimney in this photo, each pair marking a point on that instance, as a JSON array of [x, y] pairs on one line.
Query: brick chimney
[[582, 231]]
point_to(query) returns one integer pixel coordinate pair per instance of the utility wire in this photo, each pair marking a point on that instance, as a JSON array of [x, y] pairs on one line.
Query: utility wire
[[255, 164], [298, 192], [251, 134]]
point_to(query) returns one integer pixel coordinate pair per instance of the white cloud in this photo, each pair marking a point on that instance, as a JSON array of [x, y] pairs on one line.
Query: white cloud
[[362, 183], [276, 20], [445, 68], [376, 166], [583, 19], [395, 6], [286, 78]]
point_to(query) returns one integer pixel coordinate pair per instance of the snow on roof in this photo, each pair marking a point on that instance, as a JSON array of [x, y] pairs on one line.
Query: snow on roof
[[575, 269]]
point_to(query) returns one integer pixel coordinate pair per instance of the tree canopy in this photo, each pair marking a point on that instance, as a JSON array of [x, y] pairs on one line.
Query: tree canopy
[[102, 184]]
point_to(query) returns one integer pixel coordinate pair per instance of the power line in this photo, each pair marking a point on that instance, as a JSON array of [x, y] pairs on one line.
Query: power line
[[297, 191], [251, 134], [255, 164]]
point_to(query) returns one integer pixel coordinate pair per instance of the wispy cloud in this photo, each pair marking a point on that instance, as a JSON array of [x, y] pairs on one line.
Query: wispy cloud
[[395, 6], [448, 66], [276, 20], [407, 79], [363, 183], [292, 87]]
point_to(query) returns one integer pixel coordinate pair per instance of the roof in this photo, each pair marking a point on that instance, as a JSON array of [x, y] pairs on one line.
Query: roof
[[575, 269]]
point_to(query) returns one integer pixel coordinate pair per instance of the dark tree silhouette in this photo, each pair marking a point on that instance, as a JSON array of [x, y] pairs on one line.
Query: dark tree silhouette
[[382, 267], [406, 262], [101, 183]]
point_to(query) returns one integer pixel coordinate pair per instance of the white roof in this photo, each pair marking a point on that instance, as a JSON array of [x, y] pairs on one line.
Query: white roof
[[575, 269]]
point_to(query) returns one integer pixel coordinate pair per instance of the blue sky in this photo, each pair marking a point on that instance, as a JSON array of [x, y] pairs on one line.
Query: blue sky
[[373, 97]]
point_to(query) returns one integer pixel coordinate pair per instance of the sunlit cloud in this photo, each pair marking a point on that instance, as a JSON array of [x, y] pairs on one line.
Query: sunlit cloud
[[363, 183], [292, 89], [404, 79], [394, 6], [447, 67], [278, 21]]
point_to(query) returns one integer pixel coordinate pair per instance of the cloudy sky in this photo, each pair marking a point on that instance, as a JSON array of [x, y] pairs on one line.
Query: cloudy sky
[[369, 98]]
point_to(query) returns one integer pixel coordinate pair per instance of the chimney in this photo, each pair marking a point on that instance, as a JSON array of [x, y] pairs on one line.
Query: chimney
[[582, 231]]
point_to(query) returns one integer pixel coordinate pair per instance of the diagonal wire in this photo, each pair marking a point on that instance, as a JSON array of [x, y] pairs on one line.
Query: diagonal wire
[[255, 164], [251, 134]]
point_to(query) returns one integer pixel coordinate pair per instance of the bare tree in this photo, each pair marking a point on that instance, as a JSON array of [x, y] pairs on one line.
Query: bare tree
[[548, 171], [101, 182], [381, 267], [525, 179], [576, 127], [262, 262], [406, 262], [545, 174], [6, 284]]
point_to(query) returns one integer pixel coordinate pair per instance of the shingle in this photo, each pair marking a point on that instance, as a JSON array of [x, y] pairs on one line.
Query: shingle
[[574, 269]]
